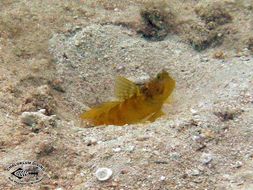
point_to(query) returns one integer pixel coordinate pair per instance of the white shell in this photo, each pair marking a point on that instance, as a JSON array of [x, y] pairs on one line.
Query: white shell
[[103, 174]]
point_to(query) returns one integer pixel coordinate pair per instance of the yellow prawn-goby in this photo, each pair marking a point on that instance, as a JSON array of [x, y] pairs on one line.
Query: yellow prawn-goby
[[135, 103]]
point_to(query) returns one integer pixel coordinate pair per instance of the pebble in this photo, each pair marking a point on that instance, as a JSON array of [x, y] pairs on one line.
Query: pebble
[[118, 149], [162, 178], [32, 118], [175, 156], [82, 174], [45, 148], [204, 59], [143, 138], [238, 164], [219, 55], [198, 138], [194, 172], [103, 174], [206, 158], [130, 148], [90, 141], [193, 111], [120, 68], [56, 84]]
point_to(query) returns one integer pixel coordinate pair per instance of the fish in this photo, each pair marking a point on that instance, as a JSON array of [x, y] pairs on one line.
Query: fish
[[135, 103]]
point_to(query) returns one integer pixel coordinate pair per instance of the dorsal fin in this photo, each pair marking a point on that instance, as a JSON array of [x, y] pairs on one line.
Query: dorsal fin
[[125, 88]]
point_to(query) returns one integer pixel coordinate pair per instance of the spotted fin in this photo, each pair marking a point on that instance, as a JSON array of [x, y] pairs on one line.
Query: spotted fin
[[125, 88]]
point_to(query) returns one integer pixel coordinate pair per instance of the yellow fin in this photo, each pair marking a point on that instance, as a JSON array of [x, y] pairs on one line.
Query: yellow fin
[[125, 88], [170, 99], [156, 115], [97, 111]]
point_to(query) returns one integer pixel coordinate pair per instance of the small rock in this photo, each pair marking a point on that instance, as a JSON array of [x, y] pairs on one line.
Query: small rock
[[238, 164], [226, 115], [120, 68], [143, 138], [124, 171], [206, 158], [82, 174], [39, 117], [219, 55], [130, 148], [45, 148], [103, 174], [90, 141], [193, 111], [118, 149], [41, 98], [56, 84], [199, 146], [175, 156], [204, 59], [162, 178], [198, 138], [194, 172]]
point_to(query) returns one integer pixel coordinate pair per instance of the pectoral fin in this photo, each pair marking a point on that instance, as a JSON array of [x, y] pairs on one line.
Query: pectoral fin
[[97, 111], [155, 115]]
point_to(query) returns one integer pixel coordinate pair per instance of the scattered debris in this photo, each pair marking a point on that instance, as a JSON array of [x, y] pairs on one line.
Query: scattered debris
[[39, 117], [201, 38], [45, 148], [199, 146], [194, 172], [160, 162], [142, 138], [103, 174], [214, 14], [210, 33], [90, 141], [57, 84], [237, 164], [219, 55], [40, 99], [159, 20], [226, 115]]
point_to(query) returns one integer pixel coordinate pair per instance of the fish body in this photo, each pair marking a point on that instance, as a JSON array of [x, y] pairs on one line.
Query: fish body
[[135, 104]]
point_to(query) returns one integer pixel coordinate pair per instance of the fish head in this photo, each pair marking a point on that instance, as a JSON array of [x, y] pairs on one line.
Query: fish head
[[160, 87], [167, 82]]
